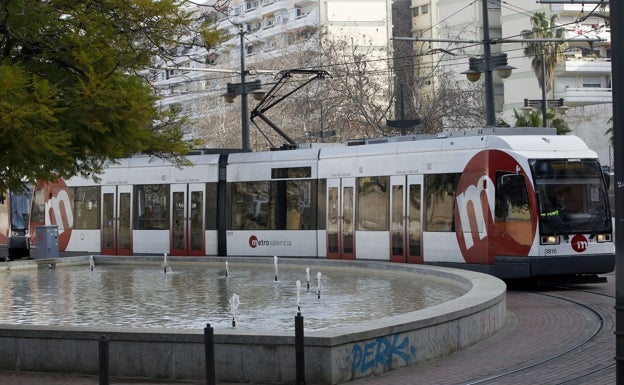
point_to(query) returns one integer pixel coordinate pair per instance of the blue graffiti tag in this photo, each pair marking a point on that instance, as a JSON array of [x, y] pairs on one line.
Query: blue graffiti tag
[[380, 352]]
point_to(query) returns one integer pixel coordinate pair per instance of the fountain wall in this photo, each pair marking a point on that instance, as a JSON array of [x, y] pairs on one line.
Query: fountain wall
[[332, 356]]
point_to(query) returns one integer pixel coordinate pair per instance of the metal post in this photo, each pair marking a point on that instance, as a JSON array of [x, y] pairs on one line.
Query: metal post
[[244, 106], [490, 119], [299, 354], [403, 132], [104, 360], [211, 377], [616, 8], [544, 101]]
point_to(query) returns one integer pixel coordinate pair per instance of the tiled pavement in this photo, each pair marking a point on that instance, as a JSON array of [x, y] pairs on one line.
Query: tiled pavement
[[537, 326]]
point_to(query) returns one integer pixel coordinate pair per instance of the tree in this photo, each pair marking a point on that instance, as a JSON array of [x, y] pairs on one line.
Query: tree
[[534, 119], [545, 55], [71, 94]]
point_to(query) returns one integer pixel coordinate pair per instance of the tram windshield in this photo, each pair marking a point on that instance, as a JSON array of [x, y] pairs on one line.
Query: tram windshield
[[20, 211], [571, 195]]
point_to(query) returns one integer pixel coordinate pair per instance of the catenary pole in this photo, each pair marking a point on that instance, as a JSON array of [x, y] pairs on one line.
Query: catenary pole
[[616, 8]]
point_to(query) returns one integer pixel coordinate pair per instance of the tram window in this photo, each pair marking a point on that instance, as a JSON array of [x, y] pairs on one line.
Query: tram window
[[211, 206], [277, 205], [291, 172], [4, 216], [249, 205], [86, 207], [301, 205], [321, 212], [372, 203], [439, 195], [512, 200], [152, 205], [38, 206]]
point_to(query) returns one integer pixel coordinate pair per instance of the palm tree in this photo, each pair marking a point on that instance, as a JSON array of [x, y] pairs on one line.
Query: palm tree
[[534, 119], [545, 55]]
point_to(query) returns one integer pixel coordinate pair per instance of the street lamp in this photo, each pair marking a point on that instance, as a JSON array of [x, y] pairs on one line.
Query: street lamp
[[543, 104], [486, 65]]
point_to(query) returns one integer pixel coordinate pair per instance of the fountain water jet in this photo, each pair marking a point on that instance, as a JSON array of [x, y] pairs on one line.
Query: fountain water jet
[[165, 265], [91, 263], [234, 303], [308, 277], [275, 263], [298, 296], [318, 288], [227, 270]]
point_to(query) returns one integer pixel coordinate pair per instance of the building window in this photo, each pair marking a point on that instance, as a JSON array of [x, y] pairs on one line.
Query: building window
[[591, 82]]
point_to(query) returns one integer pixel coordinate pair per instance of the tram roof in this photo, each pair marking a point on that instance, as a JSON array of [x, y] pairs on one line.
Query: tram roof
[[532, 142]]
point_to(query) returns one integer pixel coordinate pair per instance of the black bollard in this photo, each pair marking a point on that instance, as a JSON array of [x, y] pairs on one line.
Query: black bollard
[[299, 355], [210, 356], [104, 360]]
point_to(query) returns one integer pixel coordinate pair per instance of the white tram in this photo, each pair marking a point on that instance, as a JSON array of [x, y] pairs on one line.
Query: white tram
[[514, 206]]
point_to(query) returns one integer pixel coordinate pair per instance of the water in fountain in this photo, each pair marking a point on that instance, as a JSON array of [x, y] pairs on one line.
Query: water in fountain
[[298, 295], [165, 265], [227, 269], [234, 303], [308, 277], [123, 295], [318, 287], [91, 263], [275, 263]]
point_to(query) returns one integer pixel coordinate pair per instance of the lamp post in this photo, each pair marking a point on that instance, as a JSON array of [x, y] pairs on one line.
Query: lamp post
[[543, 104], [486, 65]]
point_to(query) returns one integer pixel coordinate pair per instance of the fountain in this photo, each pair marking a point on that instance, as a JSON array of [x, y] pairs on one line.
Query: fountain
[[318, 286], [165, 265], [234, 303], [227, 269], [298, 296], [308, 277], [275, 264], [168, 315], [91, 263]]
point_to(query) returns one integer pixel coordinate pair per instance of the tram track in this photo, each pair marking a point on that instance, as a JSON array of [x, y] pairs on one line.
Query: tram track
[[556, 335], [581, 375]]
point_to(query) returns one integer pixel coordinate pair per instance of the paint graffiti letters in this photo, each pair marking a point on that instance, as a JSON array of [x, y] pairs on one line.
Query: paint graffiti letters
[[380, 352]]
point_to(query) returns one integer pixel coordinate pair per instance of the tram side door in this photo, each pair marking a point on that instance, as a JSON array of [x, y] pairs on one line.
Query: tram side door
[[341, 218], [116, 220], [405, 219], [188, 219]]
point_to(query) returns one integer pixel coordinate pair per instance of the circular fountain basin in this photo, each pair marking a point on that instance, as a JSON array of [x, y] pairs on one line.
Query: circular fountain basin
[[343, 350], [189, 295]]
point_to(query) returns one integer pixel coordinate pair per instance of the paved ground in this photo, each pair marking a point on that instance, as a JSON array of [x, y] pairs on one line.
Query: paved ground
[[537, 326]]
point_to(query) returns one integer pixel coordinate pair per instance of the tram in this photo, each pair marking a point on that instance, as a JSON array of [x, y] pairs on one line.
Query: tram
[[513, 205]]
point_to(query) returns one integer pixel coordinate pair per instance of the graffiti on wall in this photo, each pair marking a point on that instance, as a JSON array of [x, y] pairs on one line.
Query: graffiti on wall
[[381, 352]]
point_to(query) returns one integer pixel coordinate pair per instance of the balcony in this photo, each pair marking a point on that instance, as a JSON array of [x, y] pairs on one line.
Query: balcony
[[585, 66], [582, 96], [573, 9], [576, 35]]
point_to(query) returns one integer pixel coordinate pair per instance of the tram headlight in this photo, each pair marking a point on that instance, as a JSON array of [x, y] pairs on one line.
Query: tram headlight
[[550, 240], [603, 238]]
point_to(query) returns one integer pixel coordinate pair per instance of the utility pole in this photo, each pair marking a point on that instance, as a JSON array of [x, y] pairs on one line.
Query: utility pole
[[616, 9], [490, 119]]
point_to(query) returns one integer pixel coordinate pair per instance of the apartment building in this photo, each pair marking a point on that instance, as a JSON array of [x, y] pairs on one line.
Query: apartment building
[[582, 79], [267, 36]]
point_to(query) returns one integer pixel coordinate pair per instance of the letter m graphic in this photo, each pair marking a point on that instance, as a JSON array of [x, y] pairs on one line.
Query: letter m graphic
[[476, 216]]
